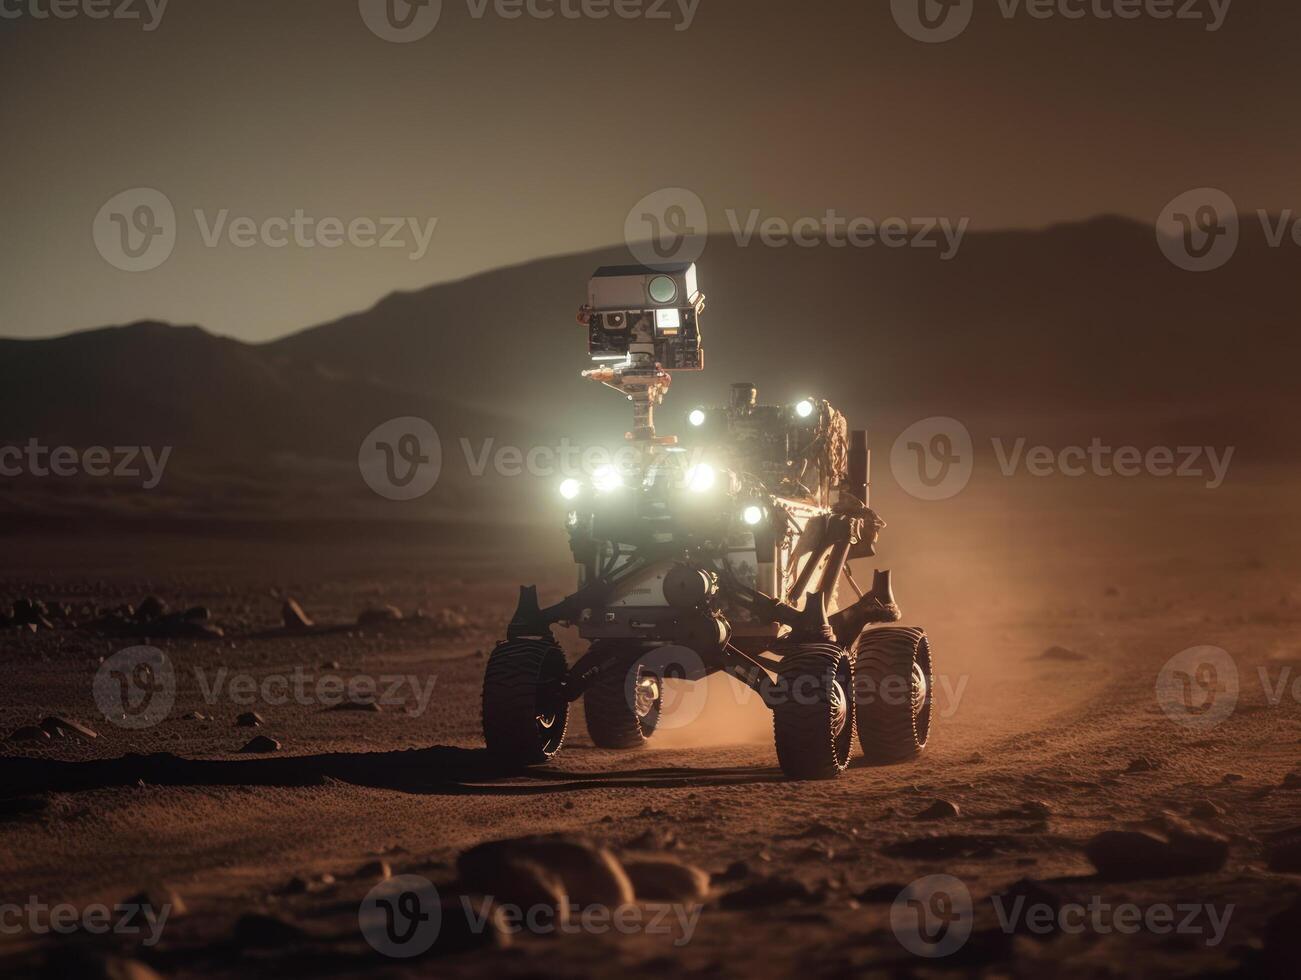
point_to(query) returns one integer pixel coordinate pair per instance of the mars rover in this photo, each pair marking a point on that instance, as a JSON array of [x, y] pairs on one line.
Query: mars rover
[[725, 554]]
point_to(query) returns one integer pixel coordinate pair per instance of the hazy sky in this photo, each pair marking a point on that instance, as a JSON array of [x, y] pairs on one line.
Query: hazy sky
[[529, 136]]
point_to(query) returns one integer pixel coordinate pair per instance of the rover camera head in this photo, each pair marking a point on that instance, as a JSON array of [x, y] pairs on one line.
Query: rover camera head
[[638, 313]]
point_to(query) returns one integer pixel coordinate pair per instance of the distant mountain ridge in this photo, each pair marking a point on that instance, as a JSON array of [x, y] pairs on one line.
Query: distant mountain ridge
[[1074, 330]]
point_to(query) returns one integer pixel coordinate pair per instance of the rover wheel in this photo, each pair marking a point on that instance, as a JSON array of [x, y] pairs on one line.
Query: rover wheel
[[893, 688], [813, 710], [519, 724], [623, 707]]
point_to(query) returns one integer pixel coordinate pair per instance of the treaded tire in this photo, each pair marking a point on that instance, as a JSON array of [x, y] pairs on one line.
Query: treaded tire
[[813, 710], [516, 727], [889, 661], [619, 710]]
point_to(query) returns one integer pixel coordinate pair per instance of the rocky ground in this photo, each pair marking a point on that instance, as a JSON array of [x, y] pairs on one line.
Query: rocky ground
[[262, 821]]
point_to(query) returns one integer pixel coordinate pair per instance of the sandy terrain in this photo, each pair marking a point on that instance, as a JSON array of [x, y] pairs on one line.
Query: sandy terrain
[[1039, 754]]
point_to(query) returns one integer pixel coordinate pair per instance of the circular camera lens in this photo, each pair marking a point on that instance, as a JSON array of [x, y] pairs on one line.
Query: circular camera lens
[[662, 289], [614, 320]]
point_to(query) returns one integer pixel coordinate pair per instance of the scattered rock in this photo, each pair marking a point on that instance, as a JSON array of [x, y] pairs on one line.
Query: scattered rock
[[736, 871], [1061, 653], [450, 622], [250, 719], [461, 933], [655, 838], [379, 870], [1029, 810], [944, 846], [1292, 780], [589, 874], [880, 894], [194, 716], [939, 810], [379, 615], [1206, 810], [526, 884], [256, 931], [1232, 777], [665, 879], [1031, 893], [86, 964], [151, 607], [294, 617], [1162, 848], [766, 892], [261, 744], [330, 665], [370, 706], [28, 733], [57, 726], [1142, 764], [156, 903], [1285, 851]]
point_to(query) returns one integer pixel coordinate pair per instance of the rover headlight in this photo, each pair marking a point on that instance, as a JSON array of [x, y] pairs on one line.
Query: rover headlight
[[570, 489], [804, 408], [607, 478], [701, 477], [752, 515], [697, 417]]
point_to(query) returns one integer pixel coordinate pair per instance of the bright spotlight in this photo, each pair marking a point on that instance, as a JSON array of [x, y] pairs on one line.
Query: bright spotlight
[[701, 477], [607, 478], [697, 417], [752, 515], [804, 409], [569, 489]]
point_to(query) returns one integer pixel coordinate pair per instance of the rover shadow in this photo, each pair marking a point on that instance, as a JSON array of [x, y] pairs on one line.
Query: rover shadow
[[439, 770]]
